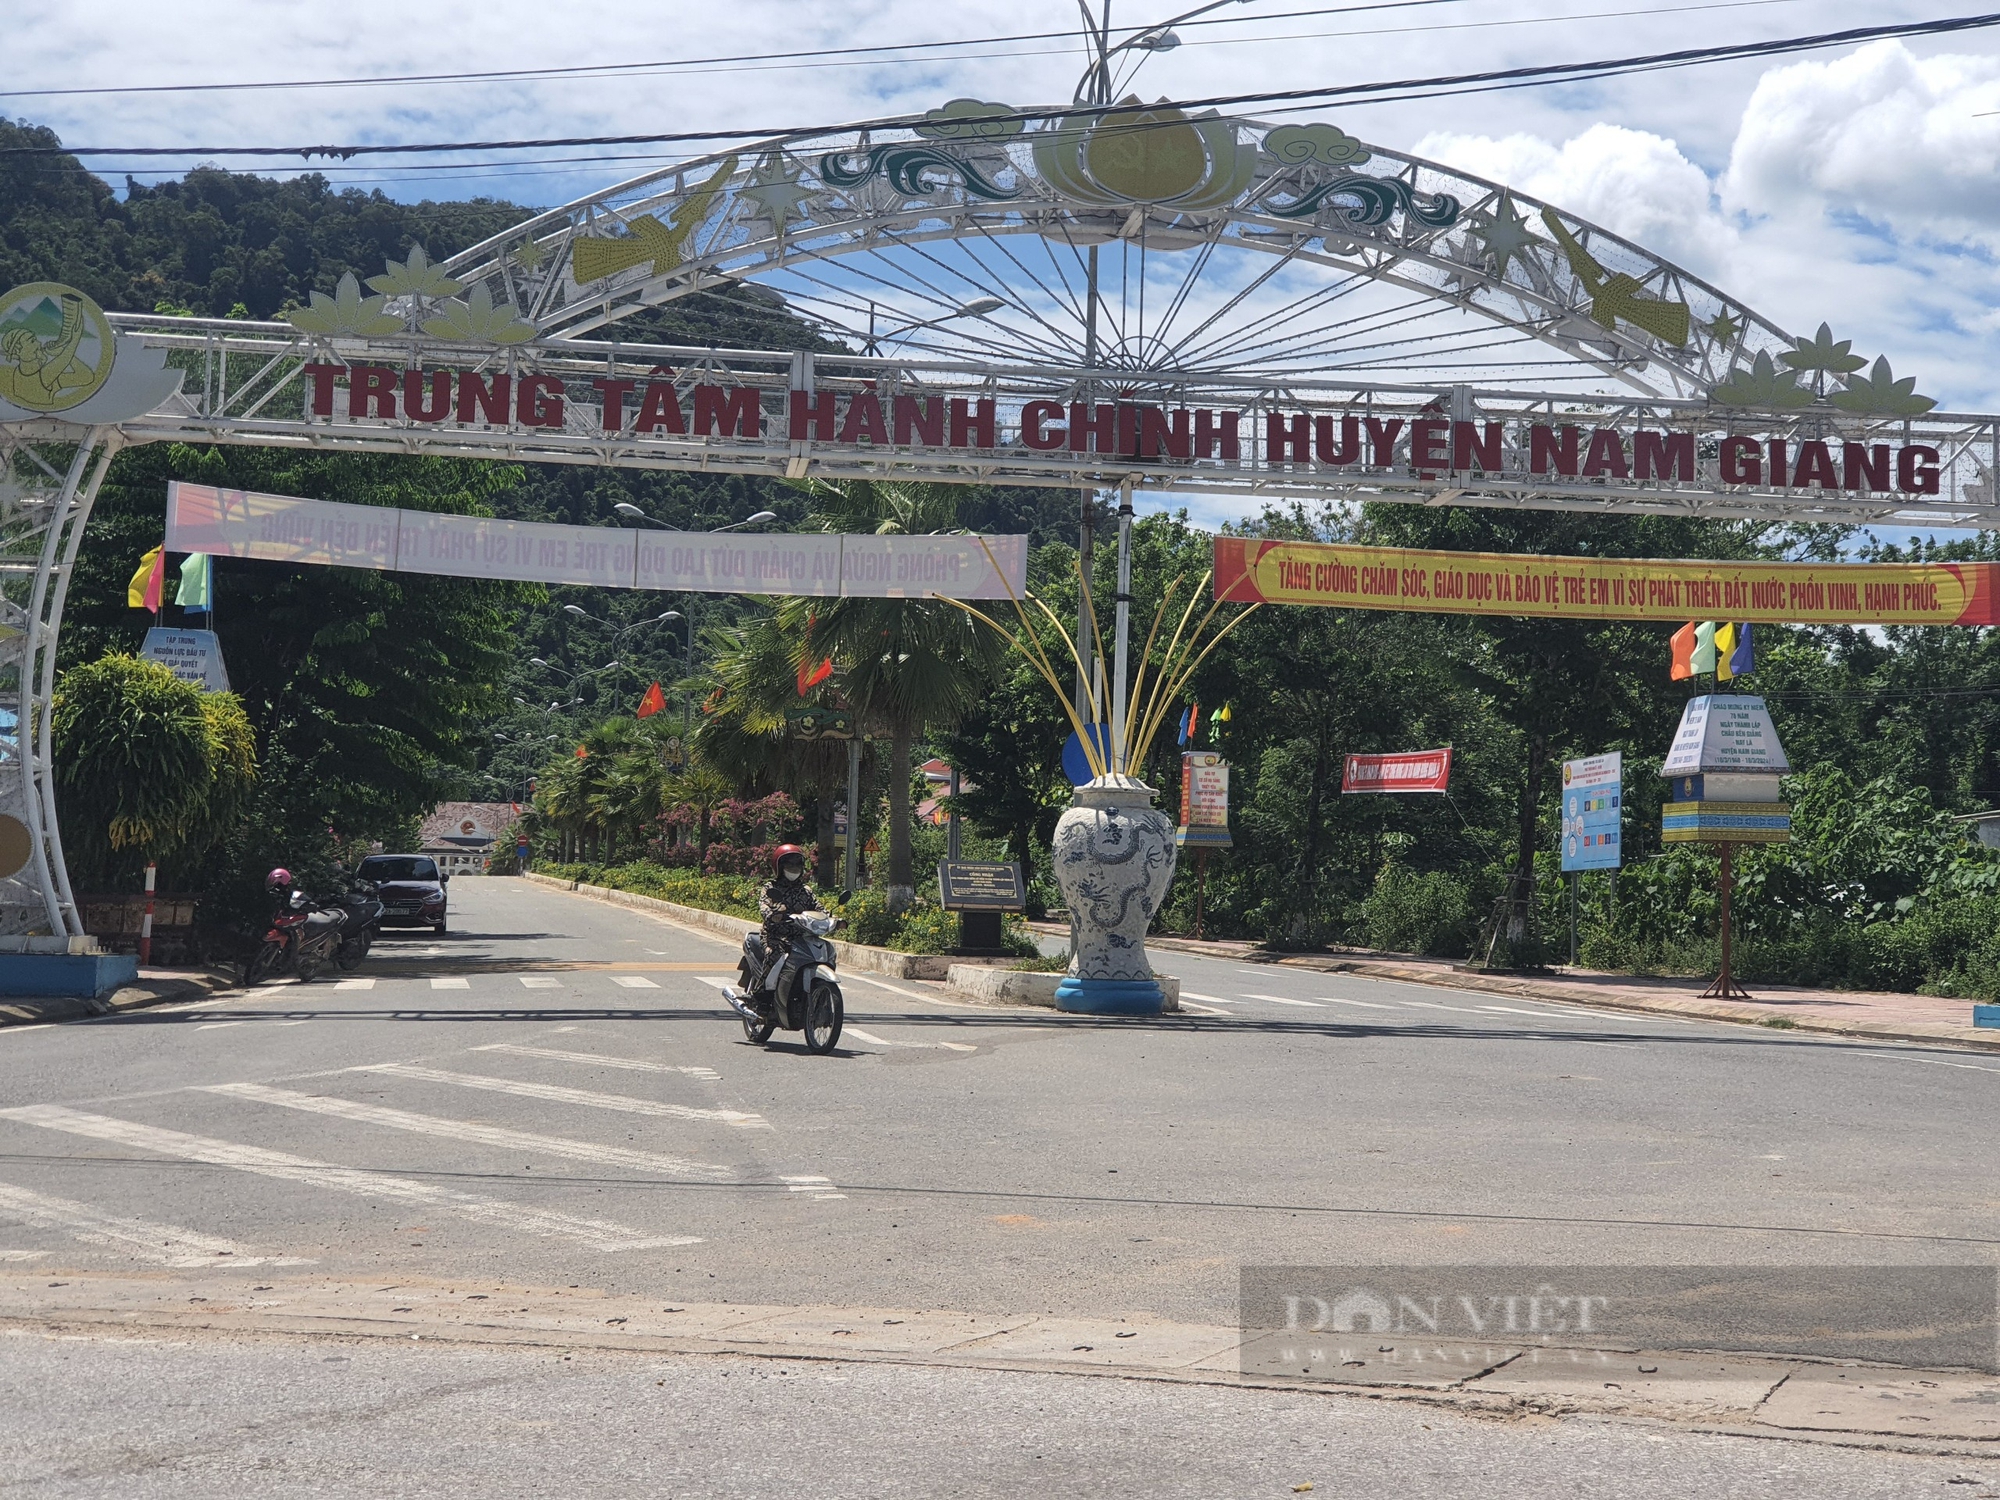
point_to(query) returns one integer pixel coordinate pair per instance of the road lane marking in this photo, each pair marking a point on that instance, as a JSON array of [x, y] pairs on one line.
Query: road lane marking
[[1212, 999], [818, 1187], [465, 1130], [1282, 1000], [451, 982], [1515, 1010], [540, 982], [719, 981], [598, 1234], [597, 1059], [633, 981], [896, 989], [1204, 1010], [1929, 1062], [216, 1025], [1463, 1010], [556, 1094], [162, 1244], [14, 1255], [355, 984], [882, 1041]]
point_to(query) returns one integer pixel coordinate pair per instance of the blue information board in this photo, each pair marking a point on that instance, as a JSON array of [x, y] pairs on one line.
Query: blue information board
[[1593, 799]]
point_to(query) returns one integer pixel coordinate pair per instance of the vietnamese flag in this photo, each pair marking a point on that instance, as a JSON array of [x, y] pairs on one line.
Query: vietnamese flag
[[653, 702], [812, 677]]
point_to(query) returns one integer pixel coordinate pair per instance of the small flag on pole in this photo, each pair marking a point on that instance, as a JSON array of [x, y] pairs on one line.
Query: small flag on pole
[[812, 677], [196, 594], [1683, 652], [653, 702], [1191, 722], [143, 592], [1738, 657], [1704, 647]]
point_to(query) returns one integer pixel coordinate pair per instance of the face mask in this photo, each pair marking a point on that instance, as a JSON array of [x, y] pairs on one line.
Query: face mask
[[791, 870]]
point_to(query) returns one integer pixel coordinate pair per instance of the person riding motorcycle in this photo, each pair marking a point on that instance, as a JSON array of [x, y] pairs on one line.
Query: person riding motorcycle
[[784, 898]]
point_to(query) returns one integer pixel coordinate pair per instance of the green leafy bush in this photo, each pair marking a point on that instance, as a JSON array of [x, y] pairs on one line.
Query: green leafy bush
[[1426, 912]]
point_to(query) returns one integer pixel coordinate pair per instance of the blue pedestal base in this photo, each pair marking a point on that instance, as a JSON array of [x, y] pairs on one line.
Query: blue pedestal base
[[1110, 997], [1986, 1015], [70, 975]]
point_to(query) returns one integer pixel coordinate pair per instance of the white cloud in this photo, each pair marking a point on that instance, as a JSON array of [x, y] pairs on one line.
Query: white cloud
[[1632, 182], [1880, 133]]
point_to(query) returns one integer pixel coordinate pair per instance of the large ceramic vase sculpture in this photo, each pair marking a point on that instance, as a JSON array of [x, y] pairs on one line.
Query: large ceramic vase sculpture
[[1114, 858]]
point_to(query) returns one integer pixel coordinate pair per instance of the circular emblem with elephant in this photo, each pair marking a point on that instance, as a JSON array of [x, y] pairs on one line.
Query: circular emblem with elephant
[[56, 347]]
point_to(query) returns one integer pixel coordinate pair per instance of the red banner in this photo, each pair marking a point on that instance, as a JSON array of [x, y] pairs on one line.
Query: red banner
[[1410, 771]]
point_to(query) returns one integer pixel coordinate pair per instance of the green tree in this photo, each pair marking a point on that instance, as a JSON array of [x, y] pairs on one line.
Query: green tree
[[147, 768]]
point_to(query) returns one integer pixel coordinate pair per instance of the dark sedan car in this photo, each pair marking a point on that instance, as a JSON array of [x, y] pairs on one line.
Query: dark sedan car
[[412, 889]]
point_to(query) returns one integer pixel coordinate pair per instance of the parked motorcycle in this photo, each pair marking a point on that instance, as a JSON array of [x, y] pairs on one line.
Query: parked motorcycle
[[799, 993], [307, 937]]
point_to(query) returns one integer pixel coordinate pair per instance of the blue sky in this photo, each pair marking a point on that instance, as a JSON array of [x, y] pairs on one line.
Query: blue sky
[[1855, 187]]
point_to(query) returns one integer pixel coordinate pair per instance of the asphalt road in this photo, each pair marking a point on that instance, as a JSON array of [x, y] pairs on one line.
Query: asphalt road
[[555, 1093]]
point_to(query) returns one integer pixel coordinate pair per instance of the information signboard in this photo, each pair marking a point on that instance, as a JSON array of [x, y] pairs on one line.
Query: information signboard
[[1593, 799], [1725, 732], [192, 655], [979, 885], [1204, 801]]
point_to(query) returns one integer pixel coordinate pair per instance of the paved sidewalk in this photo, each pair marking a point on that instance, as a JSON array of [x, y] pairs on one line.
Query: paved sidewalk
[[1861, 1013], [1845, 1402]]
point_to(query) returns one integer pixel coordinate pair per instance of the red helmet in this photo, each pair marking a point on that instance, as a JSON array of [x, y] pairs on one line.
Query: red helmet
[[778, 856], [278, 880]]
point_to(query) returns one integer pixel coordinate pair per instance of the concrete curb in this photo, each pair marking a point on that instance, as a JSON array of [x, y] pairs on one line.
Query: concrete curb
[[988, 986], [1986, 1038], [1922, 1411], [1690, 1007], [848, 955], [159, 990]]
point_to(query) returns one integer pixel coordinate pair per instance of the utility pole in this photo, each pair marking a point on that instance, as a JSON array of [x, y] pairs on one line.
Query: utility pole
[[1123, 601], [853, 879]]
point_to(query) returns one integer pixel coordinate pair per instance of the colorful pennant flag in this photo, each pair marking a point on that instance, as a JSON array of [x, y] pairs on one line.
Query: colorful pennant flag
[[1683, 652], [196, 594], [1191, 722], [1703, 659], [143, 592], [1739, 657], [653, 702], [581, 753]]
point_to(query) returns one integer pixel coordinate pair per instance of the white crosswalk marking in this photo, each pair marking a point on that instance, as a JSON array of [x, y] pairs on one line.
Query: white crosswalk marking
[[1213, 999], [162, 1244], [598, 1234], [818, 1187], [540, 982], [598, 1060], [465, 1130], [634, 981], [451, 982], [559, 1095], [355, 984], [1282, 1000]]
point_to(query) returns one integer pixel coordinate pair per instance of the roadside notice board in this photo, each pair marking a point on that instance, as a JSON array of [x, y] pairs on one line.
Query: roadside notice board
[[192, 655], [979, 885], [1593, 797], [1204, 800]]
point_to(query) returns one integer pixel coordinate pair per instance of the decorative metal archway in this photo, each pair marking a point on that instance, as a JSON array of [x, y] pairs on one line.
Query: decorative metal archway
[[1286, 284]]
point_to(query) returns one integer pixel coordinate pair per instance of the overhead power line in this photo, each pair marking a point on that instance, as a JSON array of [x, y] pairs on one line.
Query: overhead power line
[[613, 70], [1511, 77]]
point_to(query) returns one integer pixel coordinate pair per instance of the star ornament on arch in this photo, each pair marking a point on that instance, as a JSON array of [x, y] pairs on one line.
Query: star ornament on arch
[[1504, 234], [777, 192]]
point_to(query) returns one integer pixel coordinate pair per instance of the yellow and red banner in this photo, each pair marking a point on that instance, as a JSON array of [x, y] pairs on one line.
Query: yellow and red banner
[[1606, 588]]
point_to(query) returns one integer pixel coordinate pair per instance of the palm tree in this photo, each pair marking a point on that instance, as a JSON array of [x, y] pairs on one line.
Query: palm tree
[[911, 666], [744, 734]]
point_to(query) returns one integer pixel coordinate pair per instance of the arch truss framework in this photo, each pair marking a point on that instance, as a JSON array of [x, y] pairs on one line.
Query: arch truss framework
[[1193, 304]]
